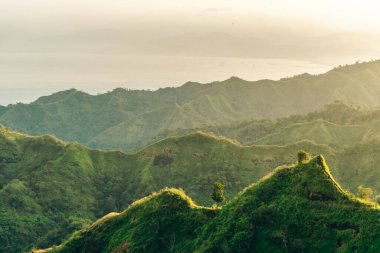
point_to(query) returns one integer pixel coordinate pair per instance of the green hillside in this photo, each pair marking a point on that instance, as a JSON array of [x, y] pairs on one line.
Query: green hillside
[[49, 188], [58, 186], [126, 119], [337, 125], [295, 209], [320, 131]]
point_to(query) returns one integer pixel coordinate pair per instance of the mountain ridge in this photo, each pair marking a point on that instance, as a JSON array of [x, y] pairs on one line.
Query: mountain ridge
[[91, 183], [308, 186], [111, 120]]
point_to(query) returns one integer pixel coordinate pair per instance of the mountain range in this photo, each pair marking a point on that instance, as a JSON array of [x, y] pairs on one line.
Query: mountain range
[[59, 187], [130, 119], [54, 180]]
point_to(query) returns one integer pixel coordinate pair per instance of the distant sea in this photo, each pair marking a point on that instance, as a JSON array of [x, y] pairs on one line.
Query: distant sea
[[25, 77]]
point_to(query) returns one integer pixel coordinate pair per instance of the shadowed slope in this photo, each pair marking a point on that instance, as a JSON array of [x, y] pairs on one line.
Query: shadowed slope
[[295, 209], [166, 221], [59, 186]]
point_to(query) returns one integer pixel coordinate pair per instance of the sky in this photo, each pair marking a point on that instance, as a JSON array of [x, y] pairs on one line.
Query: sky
[[98, 45]]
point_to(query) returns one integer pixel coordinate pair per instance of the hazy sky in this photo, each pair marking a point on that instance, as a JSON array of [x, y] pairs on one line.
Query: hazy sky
[[97, 45]]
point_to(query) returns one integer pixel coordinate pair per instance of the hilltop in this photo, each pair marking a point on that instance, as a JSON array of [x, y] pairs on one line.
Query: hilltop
[[297, 208], [336, 124], [61, 186], [127, 119]]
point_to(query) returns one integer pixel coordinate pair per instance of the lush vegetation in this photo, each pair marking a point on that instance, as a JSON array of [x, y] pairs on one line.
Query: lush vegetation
[[218, 193], [126, 119], [298, 208], [349, 133], [337, 125], [49, 188], [303, 157]]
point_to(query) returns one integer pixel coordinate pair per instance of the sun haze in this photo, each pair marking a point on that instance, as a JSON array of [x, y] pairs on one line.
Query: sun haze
[[99, 45]]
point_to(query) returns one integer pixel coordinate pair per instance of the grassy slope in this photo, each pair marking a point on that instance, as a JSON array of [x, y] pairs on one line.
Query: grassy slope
[[123, 118], [164, 220], [295, 209], [352, 133], [59, 187], [75, 115], [322, 132], [337, 124], [235, 99]]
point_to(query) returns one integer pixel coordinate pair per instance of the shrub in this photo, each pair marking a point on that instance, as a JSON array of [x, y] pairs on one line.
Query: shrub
[[218, 193], [303, 157], [162, 159], [364, 192]]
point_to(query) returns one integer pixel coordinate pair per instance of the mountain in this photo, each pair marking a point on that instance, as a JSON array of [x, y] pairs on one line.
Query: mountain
[[2, 109], [49, 188], [298, 208], [126, 119], [59, 186], [337, 125]]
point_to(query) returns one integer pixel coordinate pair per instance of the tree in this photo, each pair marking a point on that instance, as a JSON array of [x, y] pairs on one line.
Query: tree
[[303, 157], [364, 192], [162, 160], [218, 193]]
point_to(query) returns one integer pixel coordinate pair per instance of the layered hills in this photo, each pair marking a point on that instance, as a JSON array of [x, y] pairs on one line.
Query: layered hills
[[126, 119], [299, 208], [337, 125], [49, 188]]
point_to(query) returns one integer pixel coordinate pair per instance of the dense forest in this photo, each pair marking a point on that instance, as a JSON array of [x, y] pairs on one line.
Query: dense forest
[[299, 208], [61, 186]]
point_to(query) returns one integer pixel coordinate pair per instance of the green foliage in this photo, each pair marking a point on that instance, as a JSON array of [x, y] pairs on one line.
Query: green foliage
[[128, 119], [364, 192], [162, 159], [59, 187], [162, 222], [49, 188], [303, 157], [218, 193], [347, 135], [275, 214], [337, 125]]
